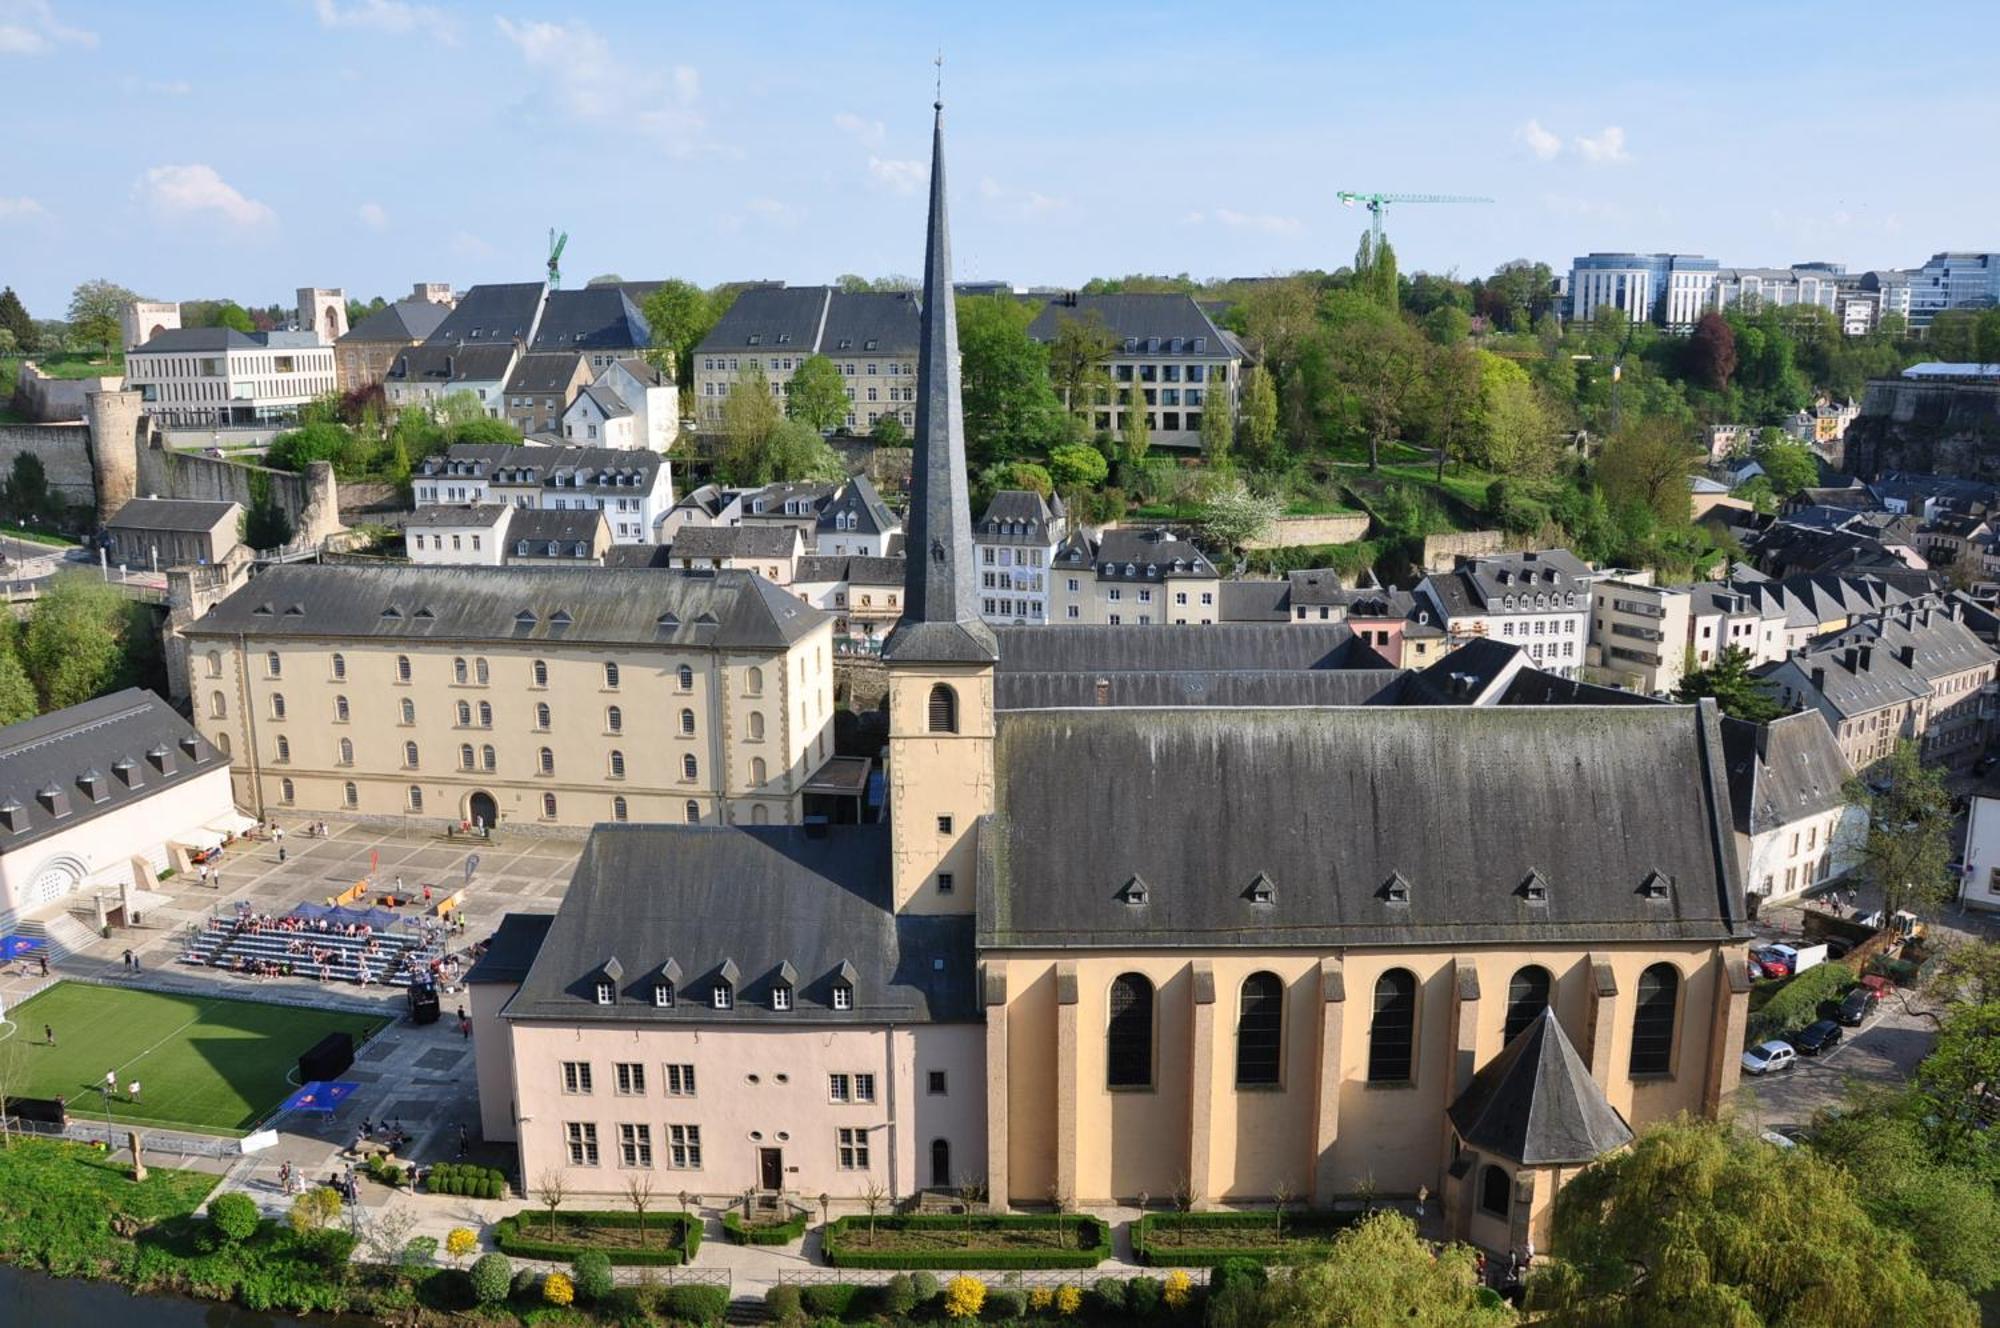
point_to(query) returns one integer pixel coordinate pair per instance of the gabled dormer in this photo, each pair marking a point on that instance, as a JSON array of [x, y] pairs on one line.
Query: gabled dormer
[[784, 983], [605, 986], [666, 985], [841, 989], [722, 992]]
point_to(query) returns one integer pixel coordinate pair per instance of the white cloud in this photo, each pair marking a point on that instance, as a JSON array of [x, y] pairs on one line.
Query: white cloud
[[1193, 218], [185, 191], [869, 133], [990, 188], [464, 244], [374, 216], [30, 27], [1607, 147], [1265, 222], [1540, 141], [19, 207], [905, 177], [578, 66], [396, 17]]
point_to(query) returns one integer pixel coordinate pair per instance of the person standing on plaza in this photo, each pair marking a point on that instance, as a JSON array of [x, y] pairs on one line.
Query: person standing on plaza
[[49, 1034]]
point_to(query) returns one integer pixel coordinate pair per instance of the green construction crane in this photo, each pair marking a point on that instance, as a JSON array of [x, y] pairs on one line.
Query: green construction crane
[[556, 243], [1376, 202]]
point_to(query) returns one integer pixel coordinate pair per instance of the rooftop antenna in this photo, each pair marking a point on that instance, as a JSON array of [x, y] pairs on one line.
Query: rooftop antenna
[[938, 105]]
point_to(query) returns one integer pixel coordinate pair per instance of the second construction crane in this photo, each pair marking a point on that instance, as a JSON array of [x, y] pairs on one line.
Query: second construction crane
[[1376, 202]]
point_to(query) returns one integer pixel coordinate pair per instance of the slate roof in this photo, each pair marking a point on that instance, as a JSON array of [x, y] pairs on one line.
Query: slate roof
[[1535, 1103], [1937, 643], [859, 500], [755, 898], [491, 312], [1018, 516], [1509, 583], [403, 321], [566, 527], [126, 747], [760, 541], [184, 340], [592, 469], [870, 323], [1245, 688], [1253, 601], [542, 372], [1169, 317], [1783, 771], [1315, 586], [592, 318], [853, 569], [1222, 647], [769, 318], [1153, 555], [462, 516], [471, 363], [183, 514], [606, 606], [1462, 803], [609, 404], [512, 947]]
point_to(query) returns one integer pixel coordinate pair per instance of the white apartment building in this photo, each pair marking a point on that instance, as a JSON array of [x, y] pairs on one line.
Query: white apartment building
[[1015, 543], [1776, 286], [1132, 576], [871, 337], [1539, 600], [650, 393], [1645, 637], [1165, 348], [203, 377], [634, 488], [1794, 827], [457, 534]]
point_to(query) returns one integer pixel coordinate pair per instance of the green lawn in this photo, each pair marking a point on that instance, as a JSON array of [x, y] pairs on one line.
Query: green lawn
[[208, 1064]]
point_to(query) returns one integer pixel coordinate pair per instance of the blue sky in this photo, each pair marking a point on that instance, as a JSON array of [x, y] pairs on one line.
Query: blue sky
[[192, 149]]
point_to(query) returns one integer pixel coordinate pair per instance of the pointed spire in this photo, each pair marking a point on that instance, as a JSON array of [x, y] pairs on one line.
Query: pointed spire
[[941, 622]]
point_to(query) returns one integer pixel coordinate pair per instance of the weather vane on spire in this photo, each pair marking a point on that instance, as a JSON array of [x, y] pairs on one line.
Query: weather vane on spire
[[939, 62]]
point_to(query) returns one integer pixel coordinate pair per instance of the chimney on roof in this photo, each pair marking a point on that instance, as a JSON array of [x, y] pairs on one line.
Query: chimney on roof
[[1819, 679], [1851, 658], [1104, 691], [1867, 655], [1907, 655], [191, 745]]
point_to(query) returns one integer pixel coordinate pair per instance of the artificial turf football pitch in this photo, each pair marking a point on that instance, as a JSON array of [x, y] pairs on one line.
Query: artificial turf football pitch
[[203, 1063]]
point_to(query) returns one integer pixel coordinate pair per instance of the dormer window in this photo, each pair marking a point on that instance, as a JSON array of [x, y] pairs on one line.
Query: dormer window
[[607, 993], [1655, 886], [663, 995], [1262, 890], [781, 996], [1396, 890], [722, 996], [843, 996]]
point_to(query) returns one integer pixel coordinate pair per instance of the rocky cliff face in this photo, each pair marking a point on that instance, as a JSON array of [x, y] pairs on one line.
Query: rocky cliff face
[[1942, 428]]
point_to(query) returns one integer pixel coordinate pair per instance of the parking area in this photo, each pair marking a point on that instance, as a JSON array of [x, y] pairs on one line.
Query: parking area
[[1883, 1051]]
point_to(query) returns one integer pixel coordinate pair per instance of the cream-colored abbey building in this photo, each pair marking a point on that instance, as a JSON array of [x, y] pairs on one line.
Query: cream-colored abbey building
[[1235, 912], [553, 696]]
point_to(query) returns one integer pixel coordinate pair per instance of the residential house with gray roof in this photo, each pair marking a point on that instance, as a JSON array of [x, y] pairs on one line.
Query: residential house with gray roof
[[1795, 828], [541, 387], [1015, 541], [856, 521], [365, 351], [633, 487], [1538, 599], [870, 336], [1165, 347], [1141, 575]]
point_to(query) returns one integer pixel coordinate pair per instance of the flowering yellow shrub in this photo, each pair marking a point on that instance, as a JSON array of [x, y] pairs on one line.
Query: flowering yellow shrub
[[1179, 1289], [964, 1297], [557, 1289], [1069, 1299], [460, 1242], [1040, 1298]]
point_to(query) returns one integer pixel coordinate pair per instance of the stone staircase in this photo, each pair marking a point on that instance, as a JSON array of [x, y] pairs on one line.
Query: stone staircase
[[62, 933], [745, 1311]]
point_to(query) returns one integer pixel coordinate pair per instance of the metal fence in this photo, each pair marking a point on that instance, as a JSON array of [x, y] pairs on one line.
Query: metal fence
[[115, 1138], [1019, 1279]]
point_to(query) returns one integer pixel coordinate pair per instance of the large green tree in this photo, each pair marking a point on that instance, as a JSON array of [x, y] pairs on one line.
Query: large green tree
[[14, 318], [76, 641], [1697, 1226], [1077, 466], [1648, 462], [750, 415], [18, 700], [1517, 437], [1380, 1274], [1379, 365], [1010, 407], [1906, 849], [95, 307], [1077, 366], [1736, 690], [680, 314], [1218, 424], [1789, 466], [1260, 414], [1135, 433], [817, 394]]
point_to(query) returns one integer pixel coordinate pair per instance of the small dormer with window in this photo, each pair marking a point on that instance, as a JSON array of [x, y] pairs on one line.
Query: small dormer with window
[[841, 990], [605, 986], [666, 985], [783, 985], [722, 992]]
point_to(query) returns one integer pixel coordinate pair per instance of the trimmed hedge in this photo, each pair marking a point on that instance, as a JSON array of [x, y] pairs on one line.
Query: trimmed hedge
[[462, 1178], [1302, 1230], [517, 1234], [704, 1305], [1092, 1236], [740, 1232]]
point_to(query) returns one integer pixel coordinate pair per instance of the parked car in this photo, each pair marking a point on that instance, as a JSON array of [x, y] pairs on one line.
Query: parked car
[[1777, 961], [1857, 1005], [1823, 1035], [1776, 1140], [1768, 1057]]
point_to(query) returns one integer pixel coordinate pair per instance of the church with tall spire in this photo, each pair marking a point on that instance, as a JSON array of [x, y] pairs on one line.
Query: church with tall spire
[[1150, 910]]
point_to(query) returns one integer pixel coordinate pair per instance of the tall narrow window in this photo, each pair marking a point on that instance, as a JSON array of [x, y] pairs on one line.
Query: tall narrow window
[[690, 769], [1260, 1024], [547, 761], [350, 795], [1128, 1040], [692, 812], [284, 748], [410, 755], [1392, 1030], [339, 666], [402, 668], [618, 811], [489, 760], [759, 771], [459, 672], [273, 666], [753, 681], [485, 714], [541, 715], [617, 764], [409, 711], [340, 709], [685, 677], [416, 798], [479, 670], [218, 706], [286, 791], [548, 806], [756, 726], [1496, 1191], [465, 761], [277, 705], [614, 719], [1527, 997], [347, 751], [1653, 1020], [943, 710], [611, 675], [215, 663], [464, 714], [687, 723]]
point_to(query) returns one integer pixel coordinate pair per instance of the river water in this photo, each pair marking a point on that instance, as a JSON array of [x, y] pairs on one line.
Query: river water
[[32, 1300]]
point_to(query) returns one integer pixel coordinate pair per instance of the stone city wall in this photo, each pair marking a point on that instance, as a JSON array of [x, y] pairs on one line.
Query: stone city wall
[[1295, 531], [65, 453], [1441, 552]]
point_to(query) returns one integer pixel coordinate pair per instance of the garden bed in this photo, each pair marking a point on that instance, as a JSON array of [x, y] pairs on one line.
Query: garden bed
[[740, 1232], [999, 1241], [668, 1238], [1203, 1240]]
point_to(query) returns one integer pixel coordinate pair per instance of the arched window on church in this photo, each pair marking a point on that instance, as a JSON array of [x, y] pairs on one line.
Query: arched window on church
[[1653, 1020], [1128, 1038], [1392, 1031], [943, 709], [1527, 997], [1260, 1026]]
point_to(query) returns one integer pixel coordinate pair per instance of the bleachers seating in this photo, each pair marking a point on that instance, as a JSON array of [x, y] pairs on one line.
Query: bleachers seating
[[399, 953]]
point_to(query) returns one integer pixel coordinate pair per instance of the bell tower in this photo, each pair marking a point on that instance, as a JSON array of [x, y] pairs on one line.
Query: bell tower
[[941, 655]]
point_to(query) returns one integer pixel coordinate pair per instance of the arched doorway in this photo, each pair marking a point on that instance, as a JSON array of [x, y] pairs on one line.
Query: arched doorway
[[481, 810], [941, 1164]]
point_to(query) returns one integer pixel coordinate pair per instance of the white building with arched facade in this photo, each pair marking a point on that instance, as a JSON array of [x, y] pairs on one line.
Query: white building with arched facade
[[95, 797]]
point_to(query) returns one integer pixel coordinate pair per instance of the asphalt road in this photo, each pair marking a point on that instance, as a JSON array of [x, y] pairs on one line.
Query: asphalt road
[[1886, 1050]]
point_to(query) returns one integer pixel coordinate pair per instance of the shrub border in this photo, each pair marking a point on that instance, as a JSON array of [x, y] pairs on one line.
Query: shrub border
[[514, 1235], [1195, 1256], [1093, 1243], [740, 1232]]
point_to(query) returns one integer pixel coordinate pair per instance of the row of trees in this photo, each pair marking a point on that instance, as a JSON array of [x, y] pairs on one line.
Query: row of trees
[[363, 439]]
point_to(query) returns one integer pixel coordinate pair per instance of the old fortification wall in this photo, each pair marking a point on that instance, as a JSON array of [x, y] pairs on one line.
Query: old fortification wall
[[65, 453], [1947, 428], [55, 400], [1294, 531], [1441, 552]]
